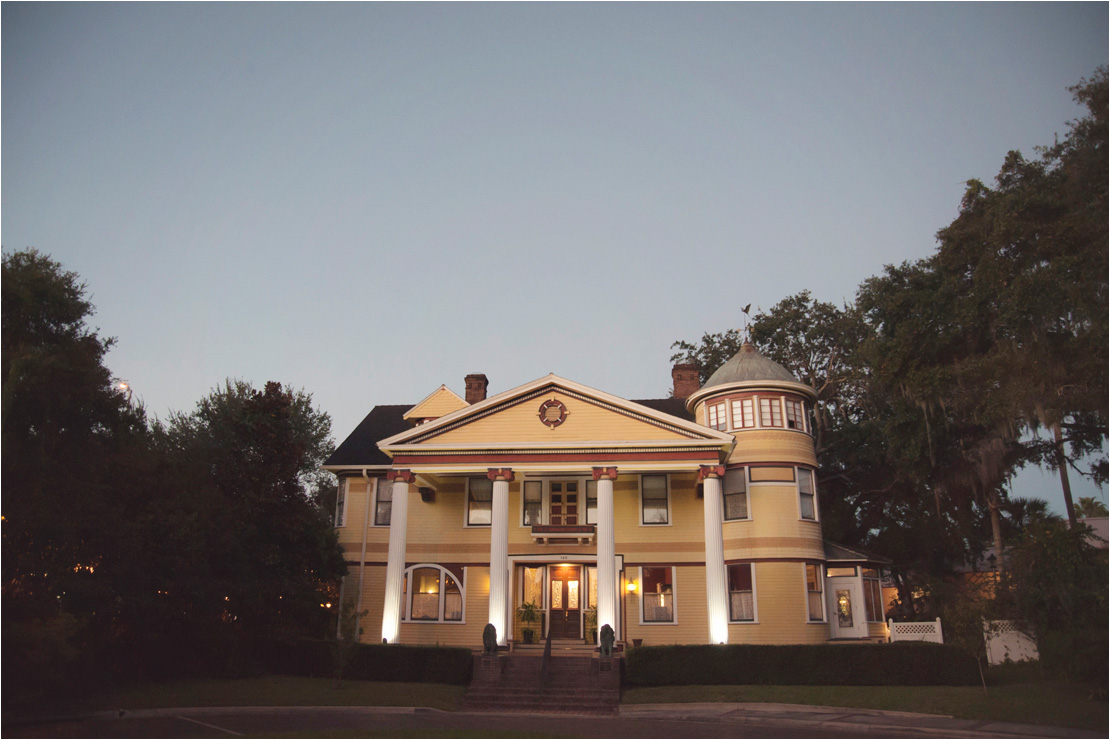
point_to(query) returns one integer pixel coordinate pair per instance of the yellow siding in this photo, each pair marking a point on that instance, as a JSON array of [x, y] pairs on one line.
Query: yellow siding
[[683, 539], [691, 623], [773, 445], [440, 403], [475, 617], [585, 422], [775, 530], [781, 609]]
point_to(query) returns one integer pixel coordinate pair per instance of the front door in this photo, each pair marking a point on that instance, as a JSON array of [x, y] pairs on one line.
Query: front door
[[566, 594], [847, 618]]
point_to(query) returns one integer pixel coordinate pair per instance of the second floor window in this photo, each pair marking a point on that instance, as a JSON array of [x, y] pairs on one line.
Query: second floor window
[[533, 502], [735, 494], [653, 496], [341, 503], [383, 505], [479, 501]]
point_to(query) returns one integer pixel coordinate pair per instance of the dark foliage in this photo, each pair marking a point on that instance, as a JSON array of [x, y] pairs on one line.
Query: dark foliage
[[904, 664]]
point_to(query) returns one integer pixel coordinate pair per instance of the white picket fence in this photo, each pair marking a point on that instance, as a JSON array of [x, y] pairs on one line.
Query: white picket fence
[[1006, 640], [916, 631]]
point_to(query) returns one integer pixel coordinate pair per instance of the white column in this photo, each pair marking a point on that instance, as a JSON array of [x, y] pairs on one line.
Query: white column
[[395, 565], [499, 553], [716, 590], [606, 550]]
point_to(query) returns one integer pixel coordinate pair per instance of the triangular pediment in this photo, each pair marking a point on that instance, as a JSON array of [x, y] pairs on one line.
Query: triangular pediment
[[554, 412], [440, 402]]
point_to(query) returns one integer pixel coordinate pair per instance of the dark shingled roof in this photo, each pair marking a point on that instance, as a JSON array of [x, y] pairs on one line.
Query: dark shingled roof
[[361, 445], [835, 552]]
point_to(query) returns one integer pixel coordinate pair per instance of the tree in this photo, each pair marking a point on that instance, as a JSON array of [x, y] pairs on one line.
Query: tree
[[1091, 507]]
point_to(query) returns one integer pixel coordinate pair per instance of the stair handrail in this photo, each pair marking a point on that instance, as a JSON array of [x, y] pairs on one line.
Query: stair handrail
[[545, 663]]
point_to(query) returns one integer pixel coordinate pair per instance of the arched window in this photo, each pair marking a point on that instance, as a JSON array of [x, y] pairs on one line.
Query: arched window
[[431, 593]]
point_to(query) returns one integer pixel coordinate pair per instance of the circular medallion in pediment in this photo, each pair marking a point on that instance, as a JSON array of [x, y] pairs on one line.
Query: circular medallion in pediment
[[553, 412]]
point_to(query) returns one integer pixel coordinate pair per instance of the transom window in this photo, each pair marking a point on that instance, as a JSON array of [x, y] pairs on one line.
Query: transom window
[[658, 597], [736, 494], [741, 594], [431, 593], [479, 502], [653, 500]]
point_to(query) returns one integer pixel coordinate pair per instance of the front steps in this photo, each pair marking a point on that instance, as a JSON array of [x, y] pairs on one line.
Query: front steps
[[576, 684]]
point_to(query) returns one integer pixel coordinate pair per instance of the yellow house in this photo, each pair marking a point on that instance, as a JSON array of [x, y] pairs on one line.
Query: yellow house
[[689, 519]]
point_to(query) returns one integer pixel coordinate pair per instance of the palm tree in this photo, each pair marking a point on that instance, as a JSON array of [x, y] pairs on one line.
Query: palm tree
[[1089, 506]]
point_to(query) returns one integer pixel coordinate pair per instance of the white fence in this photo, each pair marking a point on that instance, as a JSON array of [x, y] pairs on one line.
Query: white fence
[[1006, 640], [915, 631]]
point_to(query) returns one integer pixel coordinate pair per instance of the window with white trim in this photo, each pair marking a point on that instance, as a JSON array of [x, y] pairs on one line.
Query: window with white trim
[[383, 502], [479, 502], [533, 502], [654, 501], [815, 593], [341, 503], [657, 604], [591, 502], [716, 416], [436, 595], [795, 415], [743, 413], [741, 593], [735, 494], [873, 595], [807, 497], [770, 412]]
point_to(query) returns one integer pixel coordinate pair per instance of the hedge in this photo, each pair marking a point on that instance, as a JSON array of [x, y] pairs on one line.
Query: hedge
[[372, 662], [901, 664]]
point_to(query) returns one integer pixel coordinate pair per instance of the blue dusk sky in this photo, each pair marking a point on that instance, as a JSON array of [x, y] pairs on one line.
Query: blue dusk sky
[[369, 200]]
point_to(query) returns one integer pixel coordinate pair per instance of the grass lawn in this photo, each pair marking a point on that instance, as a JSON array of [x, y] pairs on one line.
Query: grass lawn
[[1041, 702]]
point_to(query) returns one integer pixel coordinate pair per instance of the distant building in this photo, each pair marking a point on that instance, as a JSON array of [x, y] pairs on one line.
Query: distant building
[[690, 519]]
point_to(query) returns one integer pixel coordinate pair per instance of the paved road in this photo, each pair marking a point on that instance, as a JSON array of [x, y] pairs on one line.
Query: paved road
[[645, 721]]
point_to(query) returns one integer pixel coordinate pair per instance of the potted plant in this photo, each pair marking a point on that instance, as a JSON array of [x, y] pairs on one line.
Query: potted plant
[[591, 625], [528, 613]]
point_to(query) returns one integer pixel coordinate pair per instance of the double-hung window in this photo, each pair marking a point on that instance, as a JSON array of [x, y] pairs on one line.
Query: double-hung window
[[341, 503], [815, 594], [873, 595], [716, 416], [743, 414], [770, 412], [383, 502], [654, 507], [533, 502], [807, 498], [591, 502], [479, 502], [741, 593], [795, 415], [736, 494], [658, 600]]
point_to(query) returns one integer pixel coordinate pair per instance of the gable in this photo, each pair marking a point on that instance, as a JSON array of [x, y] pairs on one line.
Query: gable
[[440, 402]]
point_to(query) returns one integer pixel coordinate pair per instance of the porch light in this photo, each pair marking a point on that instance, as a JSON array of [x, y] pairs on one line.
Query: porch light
[[631, 587]]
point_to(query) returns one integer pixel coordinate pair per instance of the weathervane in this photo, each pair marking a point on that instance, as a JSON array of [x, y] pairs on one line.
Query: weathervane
[[746, 332]]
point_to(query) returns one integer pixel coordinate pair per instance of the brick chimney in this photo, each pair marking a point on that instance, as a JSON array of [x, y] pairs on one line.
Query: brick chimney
[[476, 384], [685, 377]]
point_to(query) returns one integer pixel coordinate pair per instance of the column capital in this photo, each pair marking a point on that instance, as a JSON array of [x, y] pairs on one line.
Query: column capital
[[710, 471], [505, 474], [609, 472], [401, 475]]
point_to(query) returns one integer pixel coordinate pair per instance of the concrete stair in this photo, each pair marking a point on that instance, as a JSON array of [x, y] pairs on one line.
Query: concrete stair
[[575, 684]]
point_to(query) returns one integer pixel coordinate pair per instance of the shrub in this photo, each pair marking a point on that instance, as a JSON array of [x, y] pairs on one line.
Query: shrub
[[450, 665], [908, 664]]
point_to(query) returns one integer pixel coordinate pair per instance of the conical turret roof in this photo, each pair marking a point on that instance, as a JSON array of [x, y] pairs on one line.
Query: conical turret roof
[[749, 365]]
